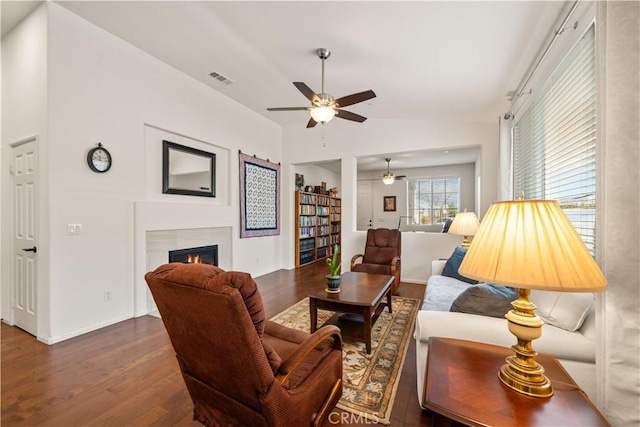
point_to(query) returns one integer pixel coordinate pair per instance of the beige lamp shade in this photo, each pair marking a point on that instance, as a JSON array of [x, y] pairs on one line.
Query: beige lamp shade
[[531, 244], [465, 223]]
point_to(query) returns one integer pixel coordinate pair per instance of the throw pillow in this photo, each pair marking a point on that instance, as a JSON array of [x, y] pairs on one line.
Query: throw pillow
[[485, 299], [566, 310], [453, 264]]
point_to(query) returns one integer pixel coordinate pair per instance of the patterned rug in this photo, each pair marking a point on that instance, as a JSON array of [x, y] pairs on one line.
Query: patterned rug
[[370, 381]]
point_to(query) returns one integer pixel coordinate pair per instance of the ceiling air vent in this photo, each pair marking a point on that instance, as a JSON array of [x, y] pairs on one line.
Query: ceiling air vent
[[221, 78]]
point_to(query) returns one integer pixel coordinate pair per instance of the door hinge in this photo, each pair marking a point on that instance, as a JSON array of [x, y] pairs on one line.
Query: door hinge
[[11, 168]]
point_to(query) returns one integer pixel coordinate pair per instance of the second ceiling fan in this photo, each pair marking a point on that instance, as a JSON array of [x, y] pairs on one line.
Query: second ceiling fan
[[323, 105], [388, 178]]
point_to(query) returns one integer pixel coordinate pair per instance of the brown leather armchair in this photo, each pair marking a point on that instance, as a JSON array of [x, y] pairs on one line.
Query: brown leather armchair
[[239, 368], [381, 255]]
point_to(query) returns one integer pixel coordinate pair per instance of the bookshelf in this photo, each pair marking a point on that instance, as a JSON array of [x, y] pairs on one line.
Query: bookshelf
[[318, 225]]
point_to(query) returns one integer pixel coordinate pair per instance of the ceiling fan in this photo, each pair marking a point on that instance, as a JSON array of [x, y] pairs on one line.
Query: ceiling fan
[[323, 105], [388, 178]]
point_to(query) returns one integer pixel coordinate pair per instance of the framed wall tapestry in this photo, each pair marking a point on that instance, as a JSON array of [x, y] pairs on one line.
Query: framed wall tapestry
[[389, 203], [259, 197]]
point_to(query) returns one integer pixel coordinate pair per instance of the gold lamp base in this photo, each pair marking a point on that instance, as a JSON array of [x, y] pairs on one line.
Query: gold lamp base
[[521, 372], [465, 242]]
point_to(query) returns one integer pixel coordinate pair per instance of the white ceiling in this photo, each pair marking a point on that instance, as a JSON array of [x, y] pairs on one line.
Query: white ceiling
[[424, 59]]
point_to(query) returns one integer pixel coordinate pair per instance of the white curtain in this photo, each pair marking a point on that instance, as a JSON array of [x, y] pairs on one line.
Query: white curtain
[[618, 59]]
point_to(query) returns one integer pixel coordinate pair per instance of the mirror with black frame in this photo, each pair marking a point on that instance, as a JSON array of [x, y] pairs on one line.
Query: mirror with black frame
[[188, 171]]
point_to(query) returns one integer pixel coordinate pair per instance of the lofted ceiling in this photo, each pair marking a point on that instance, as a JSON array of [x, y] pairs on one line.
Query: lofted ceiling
[[452, 60]]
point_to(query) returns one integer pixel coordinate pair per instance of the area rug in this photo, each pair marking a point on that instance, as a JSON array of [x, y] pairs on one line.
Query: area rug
[[370, 381]]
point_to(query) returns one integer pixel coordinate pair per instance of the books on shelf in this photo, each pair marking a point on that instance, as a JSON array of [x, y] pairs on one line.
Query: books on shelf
[[307, 210], [322, 241], [322, 253], [307, 221], [318, 226], [306, 244], [307, 199], [306, 232]]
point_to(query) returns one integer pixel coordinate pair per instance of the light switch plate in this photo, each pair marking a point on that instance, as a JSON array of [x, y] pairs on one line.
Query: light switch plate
[[74, 228]]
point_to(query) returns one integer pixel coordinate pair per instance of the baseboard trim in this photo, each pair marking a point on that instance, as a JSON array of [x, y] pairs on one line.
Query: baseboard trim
[[414, 281], [78, 332]]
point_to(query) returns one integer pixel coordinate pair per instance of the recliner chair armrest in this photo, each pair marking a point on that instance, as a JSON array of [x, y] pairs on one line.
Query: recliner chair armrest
[[289, 366], [395, 263], [353, 260]]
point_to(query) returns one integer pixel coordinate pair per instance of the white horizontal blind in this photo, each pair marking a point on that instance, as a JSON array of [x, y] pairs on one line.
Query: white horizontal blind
[[554, 145]]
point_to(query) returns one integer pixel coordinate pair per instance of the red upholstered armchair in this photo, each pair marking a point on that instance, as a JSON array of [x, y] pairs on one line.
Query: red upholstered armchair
[[239, 368], [381, 254]]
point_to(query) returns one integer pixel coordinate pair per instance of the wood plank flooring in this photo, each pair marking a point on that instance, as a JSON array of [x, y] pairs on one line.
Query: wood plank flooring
[[127, 375]]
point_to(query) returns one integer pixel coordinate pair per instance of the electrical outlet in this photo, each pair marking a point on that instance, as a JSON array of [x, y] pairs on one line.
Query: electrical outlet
[[107, 295]]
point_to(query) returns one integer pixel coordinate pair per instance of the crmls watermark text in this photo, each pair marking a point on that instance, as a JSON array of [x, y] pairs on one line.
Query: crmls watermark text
[[350, 418]]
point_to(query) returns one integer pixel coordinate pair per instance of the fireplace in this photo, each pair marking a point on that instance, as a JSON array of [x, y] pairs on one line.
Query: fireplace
[[199, 255]]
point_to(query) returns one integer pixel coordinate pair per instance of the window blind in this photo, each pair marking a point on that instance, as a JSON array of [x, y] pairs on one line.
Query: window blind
[[554, 144]]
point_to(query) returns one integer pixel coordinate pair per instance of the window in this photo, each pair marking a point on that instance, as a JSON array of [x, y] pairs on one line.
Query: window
[[554, 140], [434, 199]]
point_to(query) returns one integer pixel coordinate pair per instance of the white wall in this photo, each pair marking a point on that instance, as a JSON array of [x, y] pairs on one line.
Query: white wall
[[102, 89], [24, 115], [375, 137], [316, 175]]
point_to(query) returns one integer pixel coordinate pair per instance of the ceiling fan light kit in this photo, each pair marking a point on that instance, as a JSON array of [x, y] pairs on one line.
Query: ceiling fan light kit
[[388, 177], [324, 106], [322, 114]]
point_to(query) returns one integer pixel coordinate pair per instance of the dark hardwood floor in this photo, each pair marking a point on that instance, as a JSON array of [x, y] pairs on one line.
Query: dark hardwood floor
[[127, 375]]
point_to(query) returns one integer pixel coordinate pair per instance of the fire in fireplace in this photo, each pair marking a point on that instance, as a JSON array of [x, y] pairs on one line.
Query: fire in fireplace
[[199, 255]]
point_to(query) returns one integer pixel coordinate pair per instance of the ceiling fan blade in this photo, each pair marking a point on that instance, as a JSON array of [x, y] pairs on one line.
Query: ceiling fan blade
[[348, 115], [311, 123], [289, 109], [345, 101], [306, 91]]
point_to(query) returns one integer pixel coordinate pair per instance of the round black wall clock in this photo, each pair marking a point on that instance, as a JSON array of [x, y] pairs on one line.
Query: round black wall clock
[[99, 159]]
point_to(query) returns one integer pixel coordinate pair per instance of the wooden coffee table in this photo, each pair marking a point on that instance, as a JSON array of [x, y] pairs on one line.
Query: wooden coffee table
[[361, 294], [462, 388]]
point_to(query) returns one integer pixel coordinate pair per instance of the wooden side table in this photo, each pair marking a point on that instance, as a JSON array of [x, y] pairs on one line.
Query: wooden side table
[[462, 388]]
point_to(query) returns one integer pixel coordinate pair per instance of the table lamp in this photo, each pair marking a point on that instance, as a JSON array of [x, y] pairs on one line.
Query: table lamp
[[466, 224], [529, 244]]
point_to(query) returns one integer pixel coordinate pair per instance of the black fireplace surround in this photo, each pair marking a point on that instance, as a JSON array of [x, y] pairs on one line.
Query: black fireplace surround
[[199, 255]]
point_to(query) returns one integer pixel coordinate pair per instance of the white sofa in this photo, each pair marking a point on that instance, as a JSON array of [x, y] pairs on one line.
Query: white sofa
[[574, 349]]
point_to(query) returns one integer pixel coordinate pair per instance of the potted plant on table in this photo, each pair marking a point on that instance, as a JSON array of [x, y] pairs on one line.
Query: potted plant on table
[[333, 278]]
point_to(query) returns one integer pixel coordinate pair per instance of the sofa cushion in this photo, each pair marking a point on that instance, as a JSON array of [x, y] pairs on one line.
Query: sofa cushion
[[566, 310], [485, 299], [441, 291], [453, 264]]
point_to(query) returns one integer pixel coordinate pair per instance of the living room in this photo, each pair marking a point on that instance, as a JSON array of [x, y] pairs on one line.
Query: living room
[[70, 85]]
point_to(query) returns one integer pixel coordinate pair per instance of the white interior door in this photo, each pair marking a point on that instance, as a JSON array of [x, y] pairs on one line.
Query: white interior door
[[24, 255], [365, 205]]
